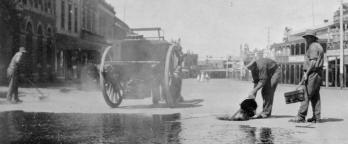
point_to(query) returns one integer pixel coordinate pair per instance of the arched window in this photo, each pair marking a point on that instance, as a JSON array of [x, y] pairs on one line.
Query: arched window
[[39, 30], [49, 32], [40, 45], [29, 36], [29, 28]]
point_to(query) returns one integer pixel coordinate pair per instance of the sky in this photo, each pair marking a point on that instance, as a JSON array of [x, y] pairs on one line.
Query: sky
[[217, 28]]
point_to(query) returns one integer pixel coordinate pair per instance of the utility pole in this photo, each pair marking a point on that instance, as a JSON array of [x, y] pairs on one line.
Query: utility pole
[[313, 12], [124, 9], [268, 36], [327, 58], [341, 44], [268, 48]]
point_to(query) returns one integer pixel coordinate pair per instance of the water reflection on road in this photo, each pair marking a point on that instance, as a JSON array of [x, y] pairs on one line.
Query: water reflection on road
[[20, 127], [28, 128], [253, 135]]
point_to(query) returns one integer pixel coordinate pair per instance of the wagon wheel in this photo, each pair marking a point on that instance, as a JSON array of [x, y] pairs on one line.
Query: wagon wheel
[[169, 68], [112, 89]]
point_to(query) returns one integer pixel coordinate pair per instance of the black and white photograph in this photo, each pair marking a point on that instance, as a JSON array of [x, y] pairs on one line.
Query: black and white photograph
[[173, 71]]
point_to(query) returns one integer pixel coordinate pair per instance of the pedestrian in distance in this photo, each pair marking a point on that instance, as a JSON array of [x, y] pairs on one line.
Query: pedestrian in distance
[[266, 74], [207, 77], [313, 67], [14, 72]]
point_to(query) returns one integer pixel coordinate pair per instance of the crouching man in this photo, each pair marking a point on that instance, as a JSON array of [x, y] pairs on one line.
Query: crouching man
[[266, 74]]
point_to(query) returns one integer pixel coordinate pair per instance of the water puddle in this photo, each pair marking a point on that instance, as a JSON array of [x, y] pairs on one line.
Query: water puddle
[[71, 128], [22, 127], [265, 135]]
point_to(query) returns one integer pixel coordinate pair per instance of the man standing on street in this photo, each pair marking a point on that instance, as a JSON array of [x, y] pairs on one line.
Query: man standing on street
[[266, 74], [13, 73], [313, 67]]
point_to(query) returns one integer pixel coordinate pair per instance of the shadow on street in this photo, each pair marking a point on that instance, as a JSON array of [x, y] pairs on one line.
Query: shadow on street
[[185, 104], [325, 120]]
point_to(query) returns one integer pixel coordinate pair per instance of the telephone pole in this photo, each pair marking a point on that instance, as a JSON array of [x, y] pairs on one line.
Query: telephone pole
[[268, 36], [313, 18], [341, 44]]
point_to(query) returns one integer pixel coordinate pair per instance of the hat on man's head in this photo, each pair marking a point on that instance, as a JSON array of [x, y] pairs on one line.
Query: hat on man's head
[[310, 33], [247, 60], [22, 49]]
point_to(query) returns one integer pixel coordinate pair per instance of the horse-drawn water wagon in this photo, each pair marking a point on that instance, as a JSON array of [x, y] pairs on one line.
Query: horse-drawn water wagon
[[140, 67]]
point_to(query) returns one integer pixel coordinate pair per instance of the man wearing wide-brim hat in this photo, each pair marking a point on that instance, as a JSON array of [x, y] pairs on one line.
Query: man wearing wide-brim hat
[[312, 78], [14, 70]]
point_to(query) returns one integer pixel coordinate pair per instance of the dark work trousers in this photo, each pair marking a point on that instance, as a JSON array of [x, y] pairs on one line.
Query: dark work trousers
[[312, 88], [13, 87], [268, 93]]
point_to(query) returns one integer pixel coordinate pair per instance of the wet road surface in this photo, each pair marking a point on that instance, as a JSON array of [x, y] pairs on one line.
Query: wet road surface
[[30, 127]]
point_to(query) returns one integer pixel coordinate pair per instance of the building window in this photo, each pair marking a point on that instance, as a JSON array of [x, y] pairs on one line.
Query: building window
[[45, 5], [89, 17], [63, 14], [303, 48], [292, 52], [84, 17], [35, 4], [297, 49], [76, 19], [49, 5], [25, 2], [69, 16], [40, 4]]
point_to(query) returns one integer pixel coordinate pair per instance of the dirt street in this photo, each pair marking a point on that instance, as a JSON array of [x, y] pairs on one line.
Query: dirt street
[[193, 121]]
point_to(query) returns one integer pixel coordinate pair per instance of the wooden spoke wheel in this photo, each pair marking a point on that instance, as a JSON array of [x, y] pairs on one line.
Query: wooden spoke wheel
[[113, 94], [111, 88], [169, 87]]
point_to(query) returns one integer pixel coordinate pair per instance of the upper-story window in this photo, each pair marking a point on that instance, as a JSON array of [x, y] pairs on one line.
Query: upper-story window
[[84, 17], [62, 24], [292, 50], [45, 4], [36, 3], [40, 4], [303, 48], [70, 16], [76, 19], [297, 49]]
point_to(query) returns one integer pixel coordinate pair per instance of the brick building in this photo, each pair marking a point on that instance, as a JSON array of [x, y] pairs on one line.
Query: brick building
[[36, 33], [84, 28]]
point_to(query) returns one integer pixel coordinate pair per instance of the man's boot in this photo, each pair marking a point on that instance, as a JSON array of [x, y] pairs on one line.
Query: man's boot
[[297, 119], [313, 120]]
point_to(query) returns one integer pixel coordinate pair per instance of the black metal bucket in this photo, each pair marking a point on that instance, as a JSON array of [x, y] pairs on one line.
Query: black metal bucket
[[294, 96]]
